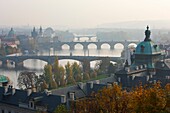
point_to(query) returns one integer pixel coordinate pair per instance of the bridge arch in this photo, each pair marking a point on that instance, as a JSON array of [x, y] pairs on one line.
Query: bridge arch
[[119, 46], [92, 46], [78, 46], [63, 62], [132, 45], [65, 46], [35, 63], [105, 46]]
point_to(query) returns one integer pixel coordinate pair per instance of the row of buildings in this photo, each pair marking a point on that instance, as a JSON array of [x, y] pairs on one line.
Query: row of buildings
[[39, 36]]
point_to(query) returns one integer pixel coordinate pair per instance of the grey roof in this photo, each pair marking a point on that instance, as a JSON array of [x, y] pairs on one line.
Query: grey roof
[[79, 93], [21, 96]]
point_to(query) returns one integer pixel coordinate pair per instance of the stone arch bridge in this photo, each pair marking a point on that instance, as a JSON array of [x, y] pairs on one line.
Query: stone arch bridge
[[58, 45], [18, 60]]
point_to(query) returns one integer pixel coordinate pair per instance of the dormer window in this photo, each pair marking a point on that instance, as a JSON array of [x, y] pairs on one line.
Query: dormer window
[[31, 104]]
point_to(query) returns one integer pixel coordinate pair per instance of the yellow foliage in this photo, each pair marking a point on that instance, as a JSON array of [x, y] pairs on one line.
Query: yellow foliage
[[142, 99]]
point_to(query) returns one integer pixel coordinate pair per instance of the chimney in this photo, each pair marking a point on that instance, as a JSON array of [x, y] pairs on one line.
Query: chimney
[[63, 99], [97, 81], [13, 91], [71, 94], [119, 79], [29, 91], [80, 85], [47, 92], [5, 89], [91, 84]]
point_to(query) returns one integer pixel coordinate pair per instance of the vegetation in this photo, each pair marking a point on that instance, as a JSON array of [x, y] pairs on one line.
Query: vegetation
[[142, 99], [55, 76], [27, 80]]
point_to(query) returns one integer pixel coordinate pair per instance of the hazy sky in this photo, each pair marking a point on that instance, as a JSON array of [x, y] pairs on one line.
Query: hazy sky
[[80, 13]]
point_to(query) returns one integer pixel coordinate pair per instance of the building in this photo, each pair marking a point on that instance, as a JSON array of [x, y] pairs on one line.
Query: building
[[19, 101], [10, 39], [82, 90], [148, 65]]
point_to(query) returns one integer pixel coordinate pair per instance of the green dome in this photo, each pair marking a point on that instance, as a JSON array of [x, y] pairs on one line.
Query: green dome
[[11, 33], [3, 79], [147, 48]]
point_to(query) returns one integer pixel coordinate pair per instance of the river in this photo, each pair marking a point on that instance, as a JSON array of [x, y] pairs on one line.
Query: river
[[38, 65]]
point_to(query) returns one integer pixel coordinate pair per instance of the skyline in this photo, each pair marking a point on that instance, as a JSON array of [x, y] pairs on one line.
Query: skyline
[[80, 13]]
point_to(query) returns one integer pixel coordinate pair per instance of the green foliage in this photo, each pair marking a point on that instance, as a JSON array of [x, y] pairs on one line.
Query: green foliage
[[61, 109], [86, 66], [56, 70], [69, 74], [86, 76]]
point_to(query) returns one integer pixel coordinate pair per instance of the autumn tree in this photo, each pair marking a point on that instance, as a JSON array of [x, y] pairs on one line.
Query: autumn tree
[[48, 76], [69, 74], [76, 72], [142, 99], [62, 81], [86, 66], [61, 109], [27, 80], [56, 71]]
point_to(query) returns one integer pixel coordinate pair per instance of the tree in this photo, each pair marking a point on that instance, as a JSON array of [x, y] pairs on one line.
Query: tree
[[142, 99], [27, 80], [86, 76], [93, 74], [86, 66], [56, 71], [61, 109], [62, 76], [69, 74], [76, 71], [48, 76]]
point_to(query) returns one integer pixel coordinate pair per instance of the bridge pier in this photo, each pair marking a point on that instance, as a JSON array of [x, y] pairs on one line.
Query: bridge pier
[[71, 47], [112, 47], [98, 47], [4, 63], [85, 47], [19, 64]]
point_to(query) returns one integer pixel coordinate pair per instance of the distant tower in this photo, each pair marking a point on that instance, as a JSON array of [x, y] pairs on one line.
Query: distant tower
[[34, 34], [40, 32]]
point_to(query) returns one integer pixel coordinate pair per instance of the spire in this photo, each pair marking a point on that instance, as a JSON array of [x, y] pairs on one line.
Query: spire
[[147, 34], [40, 32]]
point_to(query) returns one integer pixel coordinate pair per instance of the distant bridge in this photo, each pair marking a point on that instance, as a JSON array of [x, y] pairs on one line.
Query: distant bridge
[[81, 36], [50, 59], [58, 45]]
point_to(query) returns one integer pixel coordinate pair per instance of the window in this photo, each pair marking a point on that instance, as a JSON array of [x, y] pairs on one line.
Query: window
[[31, 104]]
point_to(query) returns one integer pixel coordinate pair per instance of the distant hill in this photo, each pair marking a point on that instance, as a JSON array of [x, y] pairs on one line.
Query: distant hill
[[154, 24]]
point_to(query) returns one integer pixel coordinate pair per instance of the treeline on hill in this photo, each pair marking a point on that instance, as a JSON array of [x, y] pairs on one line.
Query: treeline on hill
[[142, 99], [55, 75]]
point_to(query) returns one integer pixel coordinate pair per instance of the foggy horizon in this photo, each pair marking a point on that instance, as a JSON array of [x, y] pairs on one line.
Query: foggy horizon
[[81, 13]]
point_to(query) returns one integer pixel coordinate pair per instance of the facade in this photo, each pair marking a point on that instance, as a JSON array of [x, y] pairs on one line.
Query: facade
[[148, 65]]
